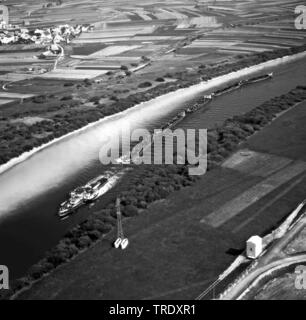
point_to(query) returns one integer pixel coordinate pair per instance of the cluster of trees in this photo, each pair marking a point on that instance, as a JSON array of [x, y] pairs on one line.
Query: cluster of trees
[[17, 138], [145, 84], [160, 79]]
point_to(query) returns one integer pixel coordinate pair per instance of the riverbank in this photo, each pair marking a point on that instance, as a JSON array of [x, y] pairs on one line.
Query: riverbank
[[158, 182], [20, 141]]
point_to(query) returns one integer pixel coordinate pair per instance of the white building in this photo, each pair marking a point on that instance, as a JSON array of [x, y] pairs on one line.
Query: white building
[[254, 247]]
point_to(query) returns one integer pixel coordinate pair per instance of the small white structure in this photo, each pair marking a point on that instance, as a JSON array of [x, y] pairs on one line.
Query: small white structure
[[254, 247]]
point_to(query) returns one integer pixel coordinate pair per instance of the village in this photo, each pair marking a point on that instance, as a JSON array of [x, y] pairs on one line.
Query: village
[[18, 35]]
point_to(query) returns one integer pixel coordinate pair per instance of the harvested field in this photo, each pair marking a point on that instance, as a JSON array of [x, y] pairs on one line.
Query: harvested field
[[112, 50], [252, 195], [72, 74], [125, 31]]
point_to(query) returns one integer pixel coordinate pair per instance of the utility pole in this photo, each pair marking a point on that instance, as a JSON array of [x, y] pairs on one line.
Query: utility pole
[[121, 241]]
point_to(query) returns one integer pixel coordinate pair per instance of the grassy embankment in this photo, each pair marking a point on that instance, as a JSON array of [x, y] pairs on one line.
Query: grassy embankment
[[157, 182], [65, 115]]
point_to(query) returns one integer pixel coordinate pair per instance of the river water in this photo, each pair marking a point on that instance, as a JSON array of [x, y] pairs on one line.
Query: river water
[[32, 190]]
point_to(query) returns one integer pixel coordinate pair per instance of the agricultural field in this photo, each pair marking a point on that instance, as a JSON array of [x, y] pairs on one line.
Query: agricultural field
[[140, 42], [179, 35], [176, 34]]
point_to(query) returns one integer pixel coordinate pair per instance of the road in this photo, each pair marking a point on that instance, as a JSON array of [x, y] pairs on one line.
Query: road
[[272, 260]]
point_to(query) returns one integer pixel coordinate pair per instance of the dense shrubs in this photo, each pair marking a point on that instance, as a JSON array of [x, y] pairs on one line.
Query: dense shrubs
[[68, 84], [95, 99], [68, 97], [130, 211], [87, 82], [160, 79], [84, 242], [40, 99], [145, 84]]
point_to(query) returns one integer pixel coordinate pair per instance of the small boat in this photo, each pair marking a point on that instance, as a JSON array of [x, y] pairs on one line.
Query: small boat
[[206, 99], [125, 159], [138, 148]]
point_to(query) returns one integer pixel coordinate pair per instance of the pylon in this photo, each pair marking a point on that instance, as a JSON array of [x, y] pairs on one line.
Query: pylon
[[121, 241]]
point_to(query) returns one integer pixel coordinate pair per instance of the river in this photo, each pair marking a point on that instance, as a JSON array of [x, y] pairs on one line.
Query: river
[[32, 190]]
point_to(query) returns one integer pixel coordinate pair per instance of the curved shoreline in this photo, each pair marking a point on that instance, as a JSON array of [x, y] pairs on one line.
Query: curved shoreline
[[187, 93]]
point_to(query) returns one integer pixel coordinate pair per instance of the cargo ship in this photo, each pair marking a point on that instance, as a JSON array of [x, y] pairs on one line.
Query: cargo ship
[[126, 159], [204, 101], [228, 89], [87, 194], [147, 142], [174, 121], [259, 78]]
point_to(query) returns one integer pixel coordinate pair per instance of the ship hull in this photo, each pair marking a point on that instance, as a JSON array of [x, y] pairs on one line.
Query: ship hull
[[109, 184]]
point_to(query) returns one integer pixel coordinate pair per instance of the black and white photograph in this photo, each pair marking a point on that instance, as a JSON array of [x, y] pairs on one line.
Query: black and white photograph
[[152, 152]]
